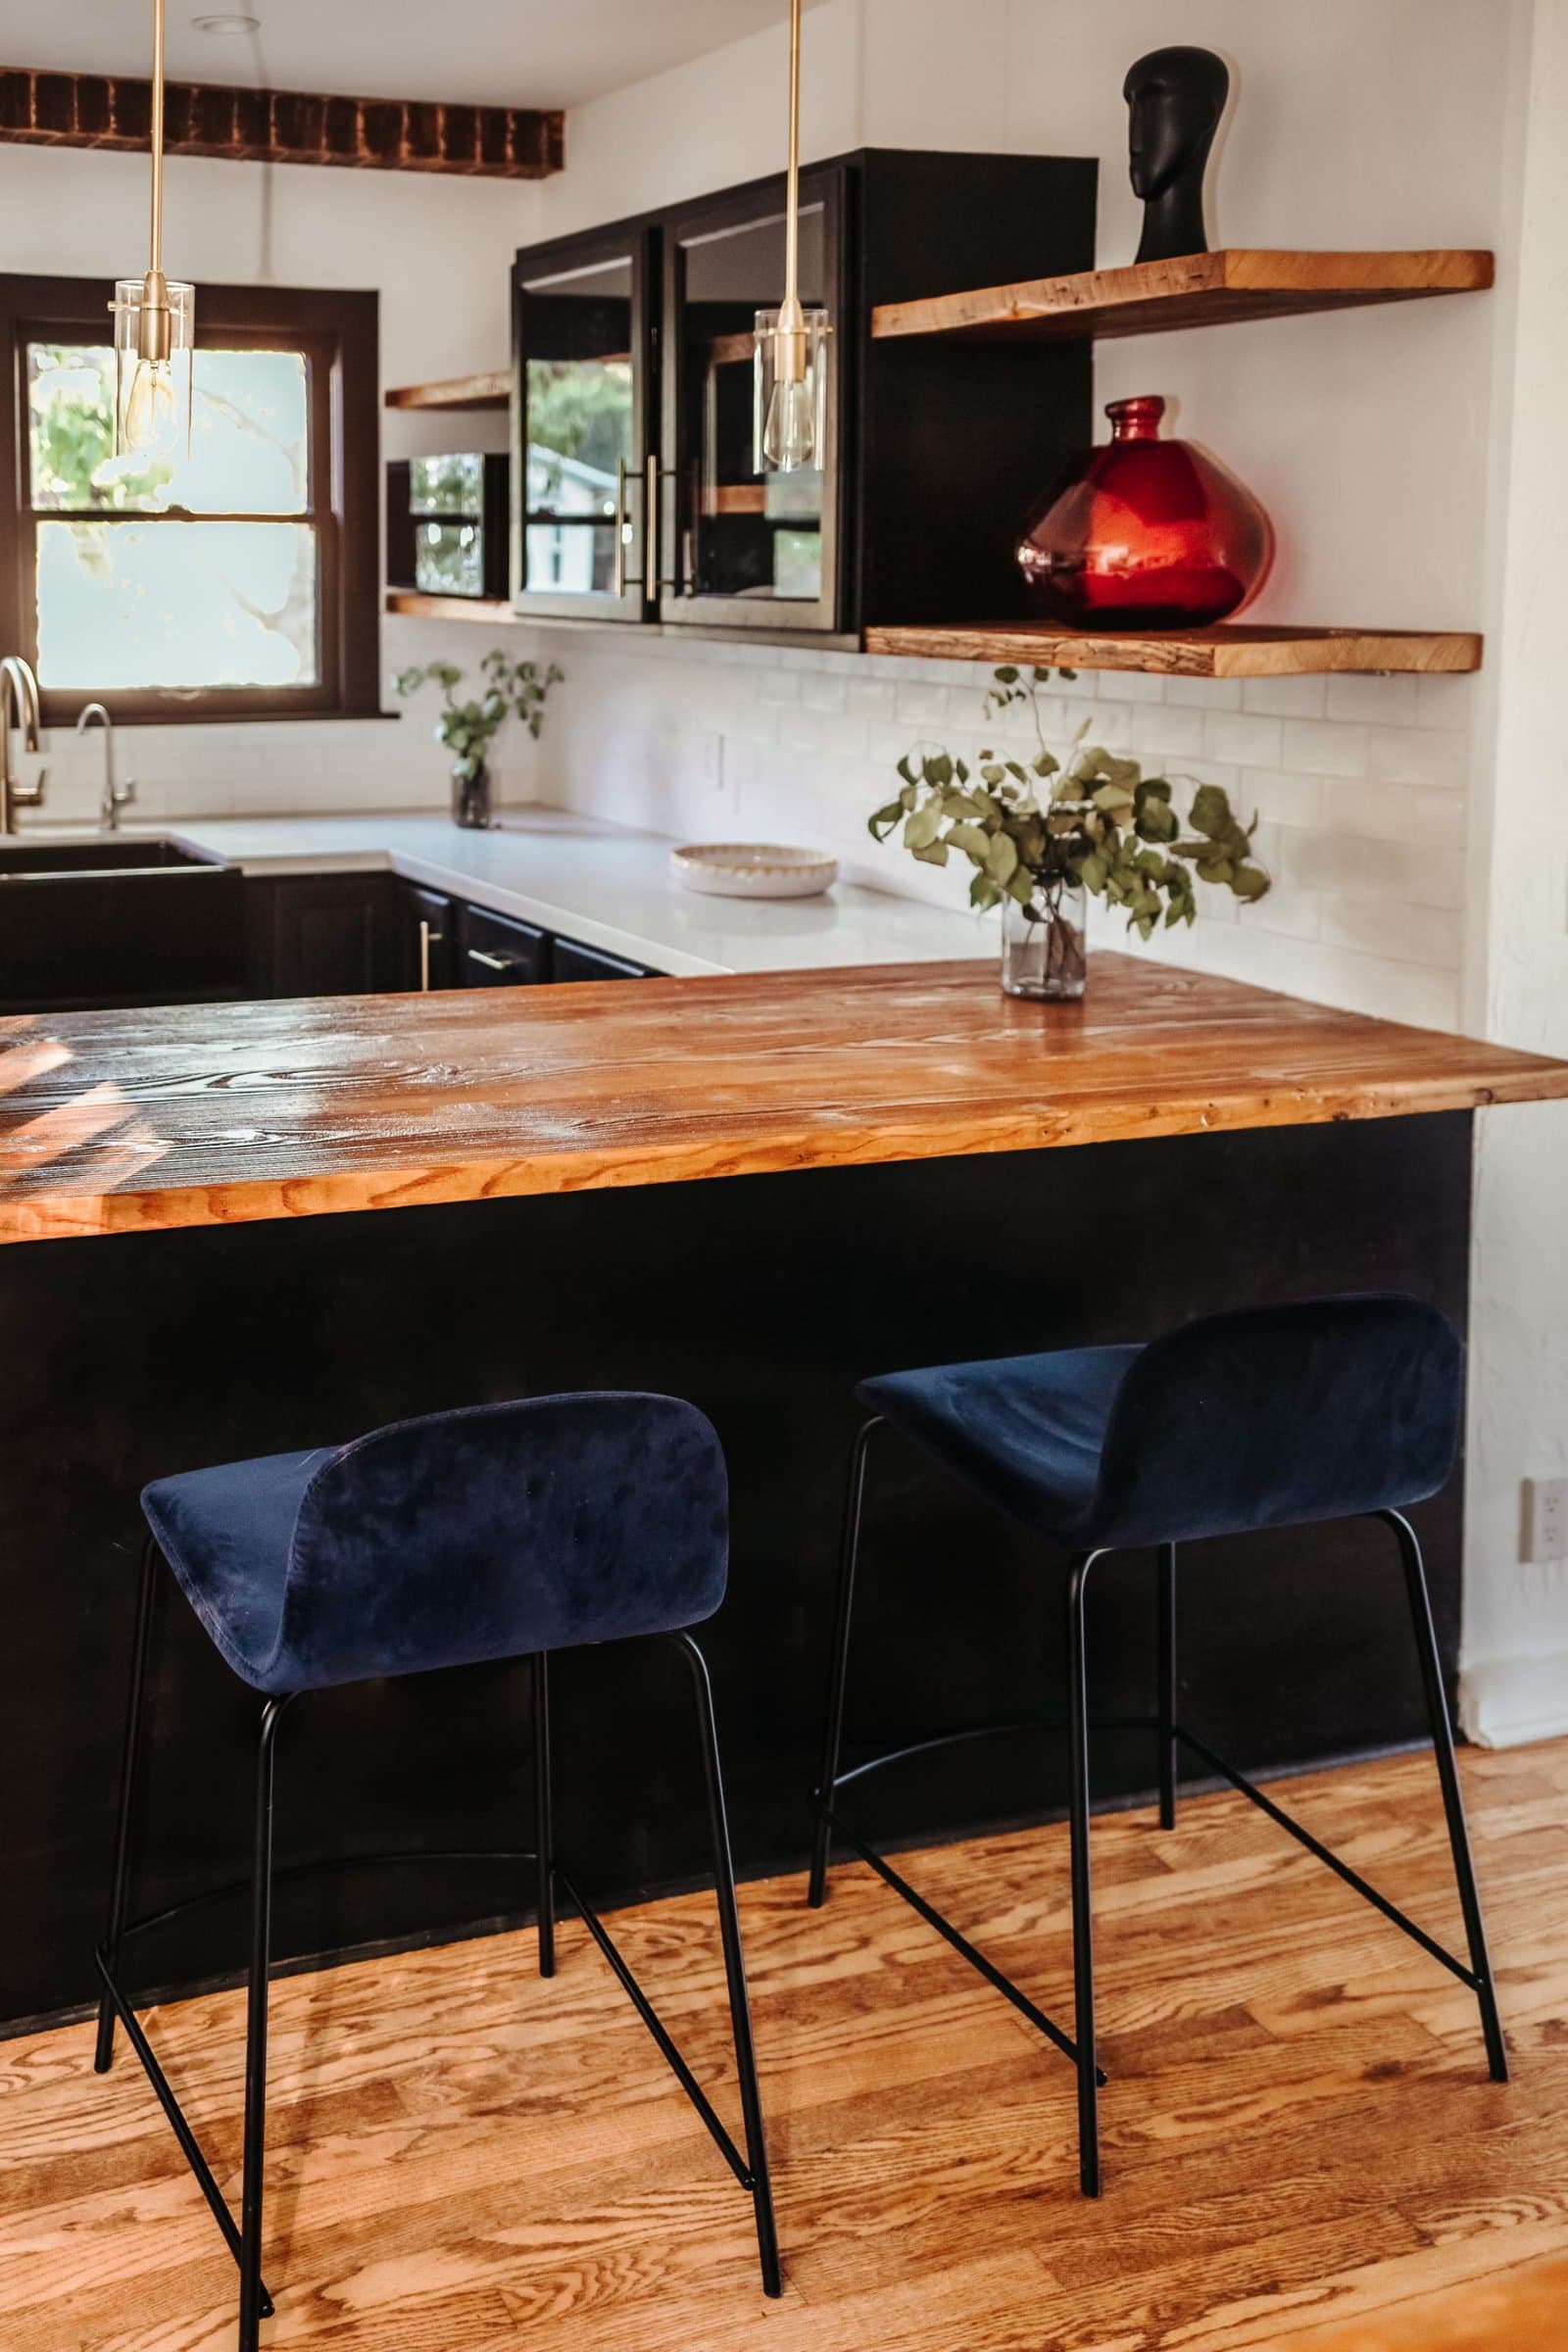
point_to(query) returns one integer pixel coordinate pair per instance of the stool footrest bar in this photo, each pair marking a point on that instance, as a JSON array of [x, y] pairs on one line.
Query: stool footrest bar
[[951, 1935], [988, 1730], [1315, 1846], [657, 2027], [189, 2147], [234, 1889]]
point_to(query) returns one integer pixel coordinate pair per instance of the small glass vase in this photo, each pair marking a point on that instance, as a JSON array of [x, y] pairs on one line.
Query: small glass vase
[[1044, 947], [471, 798]]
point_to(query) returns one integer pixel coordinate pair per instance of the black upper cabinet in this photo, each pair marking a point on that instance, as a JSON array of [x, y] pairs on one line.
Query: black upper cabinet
[[582, 508], [636, 389], [745, 548]]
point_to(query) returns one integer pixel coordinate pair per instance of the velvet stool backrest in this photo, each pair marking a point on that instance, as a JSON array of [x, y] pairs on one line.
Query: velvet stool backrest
[[1273, 1416], [504, 1530]]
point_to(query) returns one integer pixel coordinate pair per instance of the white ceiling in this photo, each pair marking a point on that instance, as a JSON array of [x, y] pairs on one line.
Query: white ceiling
[[499, 52]]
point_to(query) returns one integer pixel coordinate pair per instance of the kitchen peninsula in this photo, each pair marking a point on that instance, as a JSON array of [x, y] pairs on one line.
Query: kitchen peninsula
[[234, 1228]]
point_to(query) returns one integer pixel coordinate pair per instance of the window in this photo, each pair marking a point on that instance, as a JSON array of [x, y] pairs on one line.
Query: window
[[249, 584]]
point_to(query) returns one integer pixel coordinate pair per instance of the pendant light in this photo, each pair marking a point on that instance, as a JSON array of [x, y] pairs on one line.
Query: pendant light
[[790, 363], [155, 324]]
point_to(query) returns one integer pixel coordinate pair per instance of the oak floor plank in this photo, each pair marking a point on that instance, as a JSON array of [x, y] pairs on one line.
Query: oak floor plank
[[1302, 2150]]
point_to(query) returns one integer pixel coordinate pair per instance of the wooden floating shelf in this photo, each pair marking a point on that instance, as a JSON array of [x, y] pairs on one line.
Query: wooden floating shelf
[[492, 391], [1233, 653], [415, 605], [1224, 652], [1201, 289]]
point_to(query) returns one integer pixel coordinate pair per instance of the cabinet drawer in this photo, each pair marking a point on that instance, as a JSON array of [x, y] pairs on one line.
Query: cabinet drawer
[[572, 960], [494, 951]]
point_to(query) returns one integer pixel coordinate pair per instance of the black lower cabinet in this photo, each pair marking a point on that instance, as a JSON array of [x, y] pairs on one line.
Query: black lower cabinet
[[495, 951], [323, 935], [572, 960]]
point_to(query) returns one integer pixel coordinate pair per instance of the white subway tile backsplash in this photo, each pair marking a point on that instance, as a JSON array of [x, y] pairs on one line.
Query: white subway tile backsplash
[[919, 703], [1284, 697], [1324, 747], [1244, 741], [1374, 812], [1204, 694], [1388, 701], [1416, 756]]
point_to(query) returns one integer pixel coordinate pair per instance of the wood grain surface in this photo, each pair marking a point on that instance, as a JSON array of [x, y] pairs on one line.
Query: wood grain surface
[[239, 125], [490, 390], [1300, 2132], [1239, 650], [1199, 289], [122, 1123]]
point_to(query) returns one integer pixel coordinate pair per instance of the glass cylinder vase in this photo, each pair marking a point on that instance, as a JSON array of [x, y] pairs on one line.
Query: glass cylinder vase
[[470, 797], [1044, 947]]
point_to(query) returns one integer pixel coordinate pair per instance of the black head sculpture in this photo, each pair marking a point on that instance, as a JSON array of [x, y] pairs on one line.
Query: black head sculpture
[[1177, 97]]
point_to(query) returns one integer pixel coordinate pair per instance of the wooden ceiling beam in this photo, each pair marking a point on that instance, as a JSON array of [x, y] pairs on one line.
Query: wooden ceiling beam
[[282, 127]]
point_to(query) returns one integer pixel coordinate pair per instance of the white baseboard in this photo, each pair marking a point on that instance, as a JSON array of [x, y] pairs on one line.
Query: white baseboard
[[1505, 1703]]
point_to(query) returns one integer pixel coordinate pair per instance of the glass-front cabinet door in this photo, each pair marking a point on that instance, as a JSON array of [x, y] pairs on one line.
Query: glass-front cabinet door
[[583, 514], [746, 546]]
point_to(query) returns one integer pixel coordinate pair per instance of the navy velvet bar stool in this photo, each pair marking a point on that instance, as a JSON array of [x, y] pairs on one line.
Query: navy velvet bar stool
[[501, 1532], [1273, 1417]]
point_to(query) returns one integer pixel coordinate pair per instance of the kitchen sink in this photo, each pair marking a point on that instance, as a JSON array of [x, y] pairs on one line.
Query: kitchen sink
[[111, 919], [104, 854]]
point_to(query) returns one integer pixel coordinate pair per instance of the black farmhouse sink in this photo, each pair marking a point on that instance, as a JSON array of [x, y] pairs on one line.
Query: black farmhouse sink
[[116, 921], [104, 854]]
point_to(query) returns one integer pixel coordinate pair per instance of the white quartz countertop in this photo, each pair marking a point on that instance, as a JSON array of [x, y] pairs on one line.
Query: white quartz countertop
[[602, 884]]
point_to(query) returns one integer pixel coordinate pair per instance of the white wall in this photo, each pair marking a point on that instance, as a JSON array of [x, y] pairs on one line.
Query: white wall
[[1516, 1627], [438, 251]]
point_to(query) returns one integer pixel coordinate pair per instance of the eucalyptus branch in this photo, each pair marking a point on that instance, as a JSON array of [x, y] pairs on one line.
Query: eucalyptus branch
[[1035, 828], [512, 689]]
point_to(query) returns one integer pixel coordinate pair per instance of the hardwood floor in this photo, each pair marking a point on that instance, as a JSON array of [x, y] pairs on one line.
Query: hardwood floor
[[1302, 2150]]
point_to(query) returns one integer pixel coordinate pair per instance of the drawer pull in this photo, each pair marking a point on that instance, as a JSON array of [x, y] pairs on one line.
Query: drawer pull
[[428, 939], [492, 963]]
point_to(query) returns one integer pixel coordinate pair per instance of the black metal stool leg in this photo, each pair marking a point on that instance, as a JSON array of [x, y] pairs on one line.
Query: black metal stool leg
[[544, 1815], [1083, 1925], [1167, 1685], [761, 2187], [129, 1773], [252, 2294], [833, 1737], [1452, 1799]]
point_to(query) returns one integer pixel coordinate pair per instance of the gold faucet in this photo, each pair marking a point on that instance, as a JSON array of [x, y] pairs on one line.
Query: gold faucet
[[19, 706]]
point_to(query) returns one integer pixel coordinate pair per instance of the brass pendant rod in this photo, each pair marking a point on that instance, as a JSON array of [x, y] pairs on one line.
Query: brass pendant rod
[[791, 315], [157, 139]]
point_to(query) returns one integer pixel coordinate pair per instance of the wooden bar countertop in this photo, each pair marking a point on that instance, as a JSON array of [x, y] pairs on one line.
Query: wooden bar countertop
[[130, 1122]]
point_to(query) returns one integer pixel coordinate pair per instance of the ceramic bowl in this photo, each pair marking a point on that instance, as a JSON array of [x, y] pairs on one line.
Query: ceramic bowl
[[751, 869]]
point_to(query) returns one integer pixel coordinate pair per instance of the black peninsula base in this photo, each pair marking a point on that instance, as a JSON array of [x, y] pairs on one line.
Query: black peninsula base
[[763, 1299]]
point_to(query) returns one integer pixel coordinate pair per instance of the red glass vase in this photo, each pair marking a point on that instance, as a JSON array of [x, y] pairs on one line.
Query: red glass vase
[[1147, 534]]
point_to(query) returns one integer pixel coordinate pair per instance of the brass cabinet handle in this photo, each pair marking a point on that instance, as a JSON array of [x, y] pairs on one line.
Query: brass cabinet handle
[[492, 963], [622, 477], [651, 480], [428, 939]]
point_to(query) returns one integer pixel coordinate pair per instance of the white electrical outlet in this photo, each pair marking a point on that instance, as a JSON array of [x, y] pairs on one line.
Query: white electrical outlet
[[1544, 1529]]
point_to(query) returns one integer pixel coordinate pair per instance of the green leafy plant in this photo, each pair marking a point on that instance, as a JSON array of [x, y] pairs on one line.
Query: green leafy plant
[[512, 690], [1038, 827]]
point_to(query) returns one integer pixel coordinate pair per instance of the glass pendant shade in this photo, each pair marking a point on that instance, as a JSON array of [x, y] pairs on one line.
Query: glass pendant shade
[[154, 333], [791, 393]]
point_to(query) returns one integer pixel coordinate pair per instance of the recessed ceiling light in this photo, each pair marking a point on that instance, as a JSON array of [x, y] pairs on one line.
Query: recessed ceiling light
[[234, 22]]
